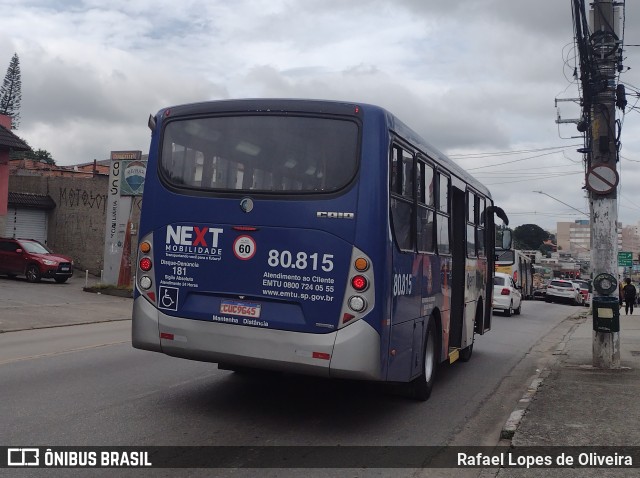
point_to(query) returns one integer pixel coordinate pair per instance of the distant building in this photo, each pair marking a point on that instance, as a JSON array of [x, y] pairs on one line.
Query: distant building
[[631, 239], [574, 238], [33, 167]]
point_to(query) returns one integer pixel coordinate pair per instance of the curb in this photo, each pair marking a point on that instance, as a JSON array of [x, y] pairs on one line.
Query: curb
[[113, 291], [515, 418], [510, 427]]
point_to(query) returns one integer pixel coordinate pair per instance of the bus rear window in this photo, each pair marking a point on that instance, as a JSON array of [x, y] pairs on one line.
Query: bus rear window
[[260, 153]]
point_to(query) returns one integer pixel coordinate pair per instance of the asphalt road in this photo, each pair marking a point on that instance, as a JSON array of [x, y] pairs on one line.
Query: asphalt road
[[86, 385]]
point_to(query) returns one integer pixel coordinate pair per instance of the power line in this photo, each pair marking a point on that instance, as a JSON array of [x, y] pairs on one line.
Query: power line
[[503, 153], [514, 161], [527, 180]]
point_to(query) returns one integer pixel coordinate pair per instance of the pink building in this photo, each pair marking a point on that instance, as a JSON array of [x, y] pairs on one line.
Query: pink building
[[8, 142]]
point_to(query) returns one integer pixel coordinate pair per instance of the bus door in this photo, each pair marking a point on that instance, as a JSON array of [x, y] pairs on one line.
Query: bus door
[[458, 252]]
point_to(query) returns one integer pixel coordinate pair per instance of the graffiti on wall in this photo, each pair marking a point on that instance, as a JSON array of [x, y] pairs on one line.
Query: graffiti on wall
[[71, 197]]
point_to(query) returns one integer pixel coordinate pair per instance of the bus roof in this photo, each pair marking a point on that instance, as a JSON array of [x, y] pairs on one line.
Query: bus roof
[[330, 107], [406, 132]]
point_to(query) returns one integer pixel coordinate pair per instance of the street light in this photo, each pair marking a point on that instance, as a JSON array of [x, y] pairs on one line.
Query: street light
[[556, 199]]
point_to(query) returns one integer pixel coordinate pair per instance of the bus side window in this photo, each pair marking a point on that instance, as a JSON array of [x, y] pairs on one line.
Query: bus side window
[[471, 207], [407, 175], [480, 237], [472, 216], [442, 223], [395, 178], [402, 200], [442, 220], [443, 193], [424, 182]]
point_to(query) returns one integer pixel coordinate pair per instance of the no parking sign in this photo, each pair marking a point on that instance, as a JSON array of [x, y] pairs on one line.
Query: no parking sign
[[602, 179]]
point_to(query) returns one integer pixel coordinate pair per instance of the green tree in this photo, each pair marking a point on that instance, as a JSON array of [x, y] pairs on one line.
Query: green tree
[[11, 92], [37, 155], [546, 250], [44, 155], [529, 236]]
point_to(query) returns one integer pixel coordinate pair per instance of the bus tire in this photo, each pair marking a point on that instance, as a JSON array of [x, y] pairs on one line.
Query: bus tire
[[465, 353], [421, 387]]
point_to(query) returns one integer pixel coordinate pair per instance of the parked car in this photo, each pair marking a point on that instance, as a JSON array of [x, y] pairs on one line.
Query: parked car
[[33, 260], [540, 292], [560, 290], [578, 287], [586, 290], [507, 296]]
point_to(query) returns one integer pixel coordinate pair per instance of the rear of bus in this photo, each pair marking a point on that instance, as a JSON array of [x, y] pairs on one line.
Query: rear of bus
[[259, 235]]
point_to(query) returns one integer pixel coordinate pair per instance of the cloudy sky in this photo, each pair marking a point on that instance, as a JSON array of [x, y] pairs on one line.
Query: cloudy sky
[[477, 78]]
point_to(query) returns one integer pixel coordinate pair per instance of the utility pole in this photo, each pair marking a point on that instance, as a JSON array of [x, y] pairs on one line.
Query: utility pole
[[602, 177]]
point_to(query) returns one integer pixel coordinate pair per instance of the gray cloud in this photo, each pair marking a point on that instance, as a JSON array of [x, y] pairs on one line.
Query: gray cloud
[[469, 75]]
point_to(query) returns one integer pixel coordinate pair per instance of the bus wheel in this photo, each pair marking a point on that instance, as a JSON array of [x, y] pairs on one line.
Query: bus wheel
[[421, 387], [465, 353]]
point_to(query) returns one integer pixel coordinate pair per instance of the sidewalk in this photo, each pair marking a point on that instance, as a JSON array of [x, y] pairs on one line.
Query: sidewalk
[[576, 404], [25, 306]]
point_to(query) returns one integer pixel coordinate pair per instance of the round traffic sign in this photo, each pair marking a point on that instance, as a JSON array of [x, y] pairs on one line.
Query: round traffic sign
[[602, 179], [244, 247]]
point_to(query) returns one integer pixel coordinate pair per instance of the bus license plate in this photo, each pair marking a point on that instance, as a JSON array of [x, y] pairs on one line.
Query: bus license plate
[[243, 309]]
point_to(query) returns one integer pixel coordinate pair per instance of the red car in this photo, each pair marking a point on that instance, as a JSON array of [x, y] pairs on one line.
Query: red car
[[29, 258]]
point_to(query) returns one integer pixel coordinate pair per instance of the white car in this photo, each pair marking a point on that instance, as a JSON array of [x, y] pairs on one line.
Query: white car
[[506, 294], [560, 290]]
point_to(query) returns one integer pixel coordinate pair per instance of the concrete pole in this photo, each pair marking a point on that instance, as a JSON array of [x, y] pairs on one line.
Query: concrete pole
[[604, 210]]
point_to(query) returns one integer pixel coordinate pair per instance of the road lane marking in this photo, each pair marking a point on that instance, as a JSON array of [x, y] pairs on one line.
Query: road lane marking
[[51, 354]]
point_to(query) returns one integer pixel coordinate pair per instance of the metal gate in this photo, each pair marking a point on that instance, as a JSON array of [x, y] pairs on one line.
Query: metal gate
[[26, 223]]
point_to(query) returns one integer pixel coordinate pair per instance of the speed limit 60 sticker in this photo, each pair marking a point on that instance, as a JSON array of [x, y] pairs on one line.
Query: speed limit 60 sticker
[[244, 247]]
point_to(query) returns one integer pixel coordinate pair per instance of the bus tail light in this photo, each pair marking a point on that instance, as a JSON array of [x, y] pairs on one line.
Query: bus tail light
[[359, 283], [361, 264], [145, 276], [145, 282], [357, 303], [145, 264], [359, 295]]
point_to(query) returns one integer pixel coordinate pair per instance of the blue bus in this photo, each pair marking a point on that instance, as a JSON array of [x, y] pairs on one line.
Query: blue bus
[[316, 237]]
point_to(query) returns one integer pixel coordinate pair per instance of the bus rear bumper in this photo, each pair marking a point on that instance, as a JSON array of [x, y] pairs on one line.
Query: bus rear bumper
[[352, 352]]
